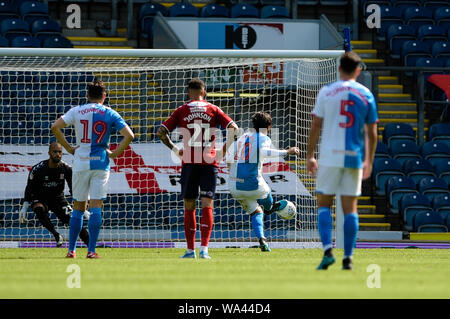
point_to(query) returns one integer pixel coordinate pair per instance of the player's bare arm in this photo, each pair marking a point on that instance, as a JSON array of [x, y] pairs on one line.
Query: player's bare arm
[[163, 135], [232, 132], [371, 140], [293, 151], [128, 137], [57, 127], [314, 134]]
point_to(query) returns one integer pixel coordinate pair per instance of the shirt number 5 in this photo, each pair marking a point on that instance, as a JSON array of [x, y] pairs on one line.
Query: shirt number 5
[[350, 117]]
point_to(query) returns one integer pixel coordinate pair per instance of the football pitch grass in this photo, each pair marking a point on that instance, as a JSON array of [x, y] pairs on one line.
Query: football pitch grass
[[233, 273]]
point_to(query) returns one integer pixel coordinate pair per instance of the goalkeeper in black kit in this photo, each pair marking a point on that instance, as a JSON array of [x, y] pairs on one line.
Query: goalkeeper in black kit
[[45, 192]]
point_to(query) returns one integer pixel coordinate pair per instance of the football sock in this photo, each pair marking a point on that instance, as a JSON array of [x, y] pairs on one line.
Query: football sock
[[84, 235], [266, 203], [325, 222], [94, 224], [350, 232], [258, 224], [75, 224], [44, 219], [204, 249], [206, 225], [190, 228]]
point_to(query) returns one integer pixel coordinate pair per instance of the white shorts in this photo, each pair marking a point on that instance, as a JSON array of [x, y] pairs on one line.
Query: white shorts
[[345, 181], [91, 184], [249, 199]]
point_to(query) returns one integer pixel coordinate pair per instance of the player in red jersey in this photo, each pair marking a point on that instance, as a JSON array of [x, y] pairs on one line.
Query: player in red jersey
[[198, 120]]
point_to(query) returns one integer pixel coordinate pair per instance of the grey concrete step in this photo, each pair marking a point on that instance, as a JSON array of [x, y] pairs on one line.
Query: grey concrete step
[[390, 88]]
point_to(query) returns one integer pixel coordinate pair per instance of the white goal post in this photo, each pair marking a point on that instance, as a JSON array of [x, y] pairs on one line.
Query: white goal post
[[144, 207]]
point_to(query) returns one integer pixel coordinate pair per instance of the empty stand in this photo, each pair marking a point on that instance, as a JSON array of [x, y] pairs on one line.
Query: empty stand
[[429, 222], [25, 42], [242, 10], [398, 131], [213, 10], [418, 16], [416, 169], [433, 186], [396, 35], [431, 33], [404, 150], [11, 28], [383, 169], [33, 10], [396, 187], [442, 17], [183, 9], [274, 12], [413, 50], [410, 205], [43, 28]]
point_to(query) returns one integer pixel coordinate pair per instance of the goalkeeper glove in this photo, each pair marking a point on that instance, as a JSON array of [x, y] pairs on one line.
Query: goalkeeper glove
[[23, 212]]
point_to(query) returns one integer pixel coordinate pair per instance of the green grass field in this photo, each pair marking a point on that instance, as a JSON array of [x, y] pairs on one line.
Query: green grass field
[[232, 273]]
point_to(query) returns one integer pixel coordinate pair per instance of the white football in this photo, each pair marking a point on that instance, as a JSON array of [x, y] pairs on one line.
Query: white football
[[287, 210]]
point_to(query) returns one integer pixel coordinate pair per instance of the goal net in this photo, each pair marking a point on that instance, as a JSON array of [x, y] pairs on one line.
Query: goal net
[[144, 207]]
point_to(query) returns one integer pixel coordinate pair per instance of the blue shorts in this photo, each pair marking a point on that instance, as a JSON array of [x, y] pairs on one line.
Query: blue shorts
[[195, 177]]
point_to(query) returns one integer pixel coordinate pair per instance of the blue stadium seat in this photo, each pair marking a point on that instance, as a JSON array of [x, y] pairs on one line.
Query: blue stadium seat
[[146, 16], [8, 11], [396, 187], [4, 42], [418, 16], [56, 41], [412, 50], [434, 4], [410, 205], [382, 150], [11, 28], [242, 10], [442, 169], [334, 2], [213, 10], [396, 35], [383, 169], [440, 132], [389, 16], [406, 3], [308, 2], [43, 28], [442, 17], [431, 33], [429, 222], [33, 10], [435, 152], [416, 169], [183, 9], [433, 186], [404, 150], [365, 3], [398, 131], [441, 205], [25, 42], [430, 63], [441, 49], [274, 12]]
